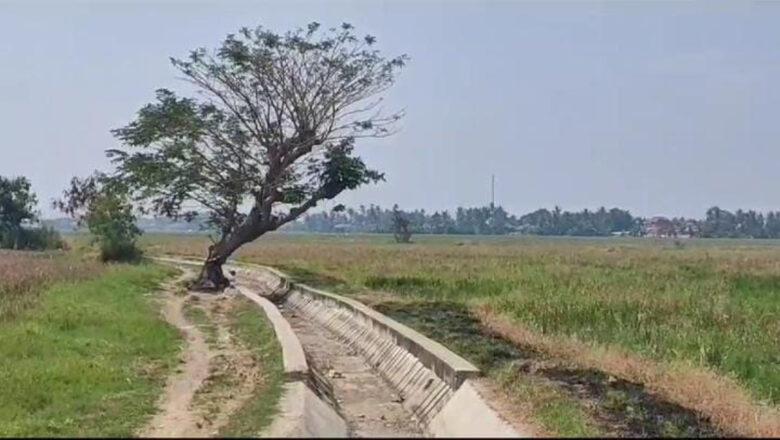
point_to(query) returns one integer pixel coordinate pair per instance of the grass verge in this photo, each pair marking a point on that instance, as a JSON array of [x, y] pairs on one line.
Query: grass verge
[[551, 408], [89, 360], [255, 332]]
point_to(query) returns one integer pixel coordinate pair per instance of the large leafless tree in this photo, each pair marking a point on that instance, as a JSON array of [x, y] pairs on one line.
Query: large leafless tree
[[271, 133]]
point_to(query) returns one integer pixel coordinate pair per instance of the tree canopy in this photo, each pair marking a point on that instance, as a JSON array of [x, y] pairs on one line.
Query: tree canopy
[[19, 218], [491, 220], [271, 133], [17, 206], [17, 202], [101, 203]]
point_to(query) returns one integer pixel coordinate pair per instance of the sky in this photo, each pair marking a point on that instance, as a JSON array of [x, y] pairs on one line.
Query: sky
[[662, 108]]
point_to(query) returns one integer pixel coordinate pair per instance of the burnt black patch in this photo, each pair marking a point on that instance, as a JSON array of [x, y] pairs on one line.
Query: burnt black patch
[[619, 407], [453, 325], [627, 408]]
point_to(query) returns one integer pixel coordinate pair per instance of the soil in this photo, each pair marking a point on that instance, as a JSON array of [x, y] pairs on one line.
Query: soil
[[216, 374]]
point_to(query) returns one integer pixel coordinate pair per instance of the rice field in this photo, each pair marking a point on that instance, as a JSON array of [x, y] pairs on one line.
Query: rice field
[[709, 305]]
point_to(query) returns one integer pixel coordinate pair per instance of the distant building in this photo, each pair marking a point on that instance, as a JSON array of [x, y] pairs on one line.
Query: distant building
[[343, 228], [690, 228], [659, 227]]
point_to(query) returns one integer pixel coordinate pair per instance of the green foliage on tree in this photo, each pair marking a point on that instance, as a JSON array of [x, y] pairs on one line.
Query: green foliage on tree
[[17, 205], [271, 133], [401, 231], [17, 215], [601, 222], [101, 203]]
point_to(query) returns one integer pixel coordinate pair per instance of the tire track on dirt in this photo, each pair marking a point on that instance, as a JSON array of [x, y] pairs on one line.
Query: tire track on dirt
[[215, 377], [175, 419]]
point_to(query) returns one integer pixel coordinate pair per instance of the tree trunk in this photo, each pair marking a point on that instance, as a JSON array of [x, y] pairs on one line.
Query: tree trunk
[[211, 278]]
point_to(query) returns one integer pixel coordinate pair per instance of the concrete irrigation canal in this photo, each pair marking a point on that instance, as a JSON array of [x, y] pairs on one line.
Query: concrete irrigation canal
[[353, 372]]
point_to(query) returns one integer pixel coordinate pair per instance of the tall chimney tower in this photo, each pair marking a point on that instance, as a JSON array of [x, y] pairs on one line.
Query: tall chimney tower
[[492, 190]]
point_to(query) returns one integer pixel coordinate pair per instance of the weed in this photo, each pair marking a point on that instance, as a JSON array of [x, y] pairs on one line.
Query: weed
[[255, 333]]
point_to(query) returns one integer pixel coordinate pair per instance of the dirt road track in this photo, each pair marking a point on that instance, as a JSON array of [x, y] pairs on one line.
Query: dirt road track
[[190, 407]]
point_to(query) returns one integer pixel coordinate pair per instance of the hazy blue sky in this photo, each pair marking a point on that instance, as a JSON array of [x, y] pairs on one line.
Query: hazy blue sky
[[659, 107]]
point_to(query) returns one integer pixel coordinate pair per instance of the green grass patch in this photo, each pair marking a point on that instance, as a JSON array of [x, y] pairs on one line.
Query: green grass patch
[[551, 407], [198, 316], [25, 274], [90, 359], [254, 331]]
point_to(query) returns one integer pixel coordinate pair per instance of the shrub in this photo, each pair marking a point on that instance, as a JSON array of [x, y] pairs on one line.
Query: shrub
[[43, 238], [103, 205], [36, 239], [112, 223], [114, 250]]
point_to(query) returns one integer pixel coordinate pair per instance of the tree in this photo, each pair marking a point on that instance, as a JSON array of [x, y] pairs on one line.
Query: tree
[[101, 203], [17, 205], [719, 223], [773, 225], [272, 134], [401, 231]]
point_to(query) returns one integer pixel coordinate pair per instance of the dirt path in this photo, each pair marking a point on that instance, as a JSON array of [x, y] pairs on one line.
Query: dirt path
[[367, 402], [233, 373], [216, 375]]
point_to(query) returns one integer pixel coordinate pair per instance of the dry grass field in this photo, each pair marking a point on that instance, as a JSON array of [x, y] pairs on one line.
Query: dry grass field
[[694, 322], [23, 275]]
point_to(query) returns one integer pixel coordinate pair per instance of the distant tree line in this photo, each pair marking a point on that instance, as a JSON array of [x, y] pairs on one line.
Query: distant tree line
[[484, 220], [601, 222], [495, 220], [721, 223]]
